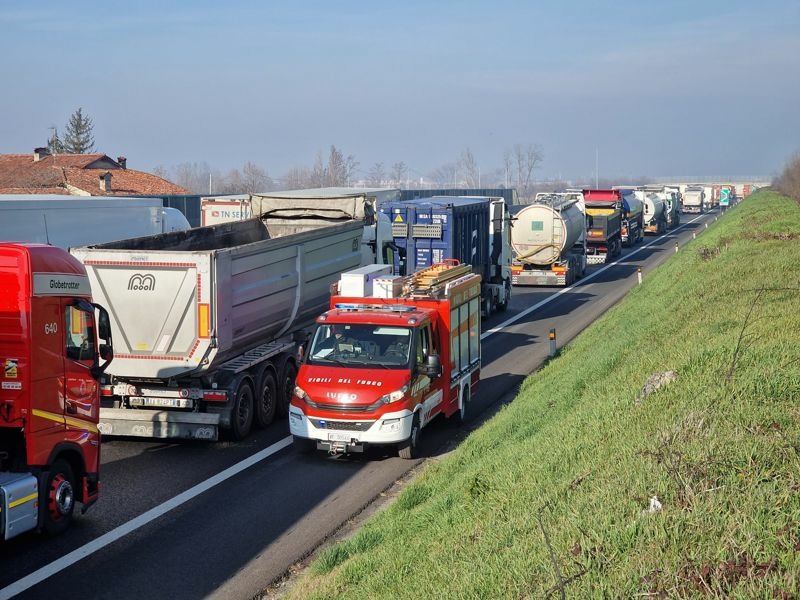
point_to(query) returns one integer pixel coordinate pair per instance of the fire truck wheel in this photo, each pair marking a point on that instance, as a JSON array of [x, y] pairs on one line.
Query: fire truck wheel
[[242, 413], [409, 449], [267, 399], [287, 389], [59, 502]]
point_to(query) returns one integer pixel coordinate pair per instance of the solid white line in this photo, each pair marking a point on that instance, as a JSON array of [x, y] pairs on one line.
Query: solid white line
[[527, 311], [112, 536]]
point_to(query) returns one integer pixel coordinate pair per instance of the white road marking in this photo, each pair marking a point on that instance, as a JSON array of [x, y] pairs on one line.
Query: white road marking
[[112, 536], [530, 309], [145, 518]]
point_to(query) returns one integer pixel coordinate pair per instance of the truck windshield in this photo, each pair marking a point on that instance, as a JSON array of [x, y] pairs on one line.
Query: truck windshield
[[361, 346]]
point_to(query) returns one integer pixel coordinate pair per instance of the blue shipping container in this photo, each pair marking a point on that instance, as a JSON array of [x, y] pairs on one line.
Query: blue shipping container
[[428, 230]]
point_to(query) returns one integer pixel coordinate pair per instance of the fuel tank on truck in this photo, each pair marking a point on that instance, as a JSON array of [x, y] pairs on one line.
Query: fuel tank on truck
[[543, 231], [185, 302], [633, 206]]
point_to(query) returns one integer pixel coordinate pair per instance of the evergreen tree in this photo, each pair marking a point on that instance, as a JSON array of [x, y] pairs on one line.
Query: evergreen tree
[[78, 138], [54, 144]]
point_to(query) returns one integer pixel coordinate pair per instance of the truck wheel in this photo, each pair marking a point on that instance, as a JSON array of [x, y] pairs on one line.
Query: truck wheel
[[503, 306], [409, 449], [242, 411], [267, 398], [487, 307], [59, 501], [304, 445], [286, 389]]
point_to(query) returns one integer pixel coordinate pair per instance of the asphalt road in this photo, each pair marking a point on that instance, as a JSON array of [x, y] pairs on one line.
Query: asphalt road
[[193, 520]]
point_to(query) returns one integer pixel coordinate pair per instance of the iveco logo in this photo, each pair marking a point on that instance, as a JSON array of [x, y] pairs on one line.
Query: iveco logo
[[144, 283]]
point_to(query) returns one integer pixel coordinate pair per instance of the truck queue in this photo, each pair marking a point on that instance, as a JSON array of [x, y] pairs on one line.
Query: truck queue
[[222, 328]]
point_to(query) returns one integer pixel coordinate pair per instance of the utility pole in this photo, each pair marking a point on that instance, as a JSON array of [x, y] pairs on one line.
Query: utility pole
[[596, 168]]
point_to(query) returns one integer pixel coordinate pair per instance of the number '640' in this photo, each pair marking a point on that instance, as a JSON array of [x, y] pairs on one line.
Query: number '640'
[[50, 328]]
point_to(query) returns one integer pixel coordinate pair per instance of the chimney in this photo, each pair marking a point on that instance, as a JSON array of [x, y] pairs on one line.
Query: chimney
[[123, 162], [40, 153], [105, 182]]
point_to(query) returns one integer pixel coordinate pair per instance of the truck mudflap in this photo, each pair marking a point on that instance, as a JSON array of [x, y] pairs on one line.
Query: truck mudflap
[[159, 424]]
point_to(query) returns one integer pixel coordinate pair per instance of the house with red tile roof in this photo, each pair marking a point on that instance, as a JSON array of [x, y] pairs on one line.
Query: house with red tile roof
[[78, 175]]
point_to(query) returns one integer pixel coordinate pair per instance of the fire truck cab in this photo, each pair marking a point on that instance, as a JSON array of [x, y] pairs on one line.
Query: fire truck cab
[[382, 366], [50, 363]]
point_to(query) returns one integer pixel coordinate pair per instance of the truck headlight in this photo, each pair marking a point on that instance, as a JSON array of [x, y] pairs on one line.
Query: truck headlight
[[300, 393], [389, 398]]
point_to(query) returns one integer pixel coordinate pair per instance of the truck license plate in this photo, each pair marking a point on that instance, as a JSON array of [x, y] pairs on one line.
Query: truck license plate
[[162, 402], [341, 437]]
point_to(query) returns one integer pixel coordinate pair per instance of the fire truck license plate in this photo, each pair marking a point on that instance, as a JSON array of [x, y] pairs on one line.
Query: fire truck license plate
[[341, 437]]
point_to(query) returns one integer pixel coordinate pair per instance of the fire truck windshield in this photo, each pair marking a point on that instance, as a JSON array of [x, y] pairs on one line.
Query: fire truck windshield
[[361, 346]]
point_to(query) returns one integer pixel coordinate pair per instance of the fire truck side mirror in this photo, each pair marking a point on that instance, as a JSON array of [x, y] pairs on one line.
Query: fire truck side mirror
[[433, 366]]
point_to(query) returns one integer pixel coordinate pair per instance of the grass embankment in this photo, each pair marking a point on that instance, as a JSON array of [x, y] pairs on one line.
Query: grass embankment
[[558, 485]]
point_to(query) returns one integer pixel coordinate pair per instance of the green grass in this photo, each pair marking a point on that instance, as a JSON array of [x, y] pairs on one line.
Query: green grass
[[575, 456]]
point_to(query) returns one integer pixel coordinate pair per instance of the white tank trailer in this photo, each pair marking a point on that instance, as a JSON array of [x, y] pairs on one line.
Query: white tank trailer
[[548, 238], [207, 322], [655, 214]]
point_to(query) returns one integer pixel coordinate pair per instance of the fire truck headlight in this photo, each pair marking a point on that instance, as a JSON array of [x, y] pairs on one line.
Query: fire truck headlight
[[389, 398], [390, 425], [300, 393]]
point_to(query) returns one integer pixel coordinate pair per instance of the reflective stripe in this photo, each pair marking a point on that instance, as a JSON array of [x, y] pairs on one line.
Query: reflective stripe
[[79, 423], [16, 503]]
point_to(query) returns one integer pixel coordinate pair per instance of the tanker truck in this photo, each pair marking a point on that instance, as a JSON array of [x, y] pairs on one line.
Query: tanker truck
[[548, 238], [655, 212], [209, 321]]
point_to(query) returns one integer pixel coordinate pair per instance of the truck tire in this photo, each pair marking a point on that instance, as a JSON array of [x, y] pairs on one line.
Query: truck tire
[[409, 449], [487, 306], [58, 503], [266, 399], [286, 389], [503, 306], [242, 410]]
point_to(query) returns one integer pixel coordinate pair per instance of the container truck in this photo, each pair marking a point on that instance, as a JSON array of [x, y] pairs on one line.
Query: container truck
[[209, 321], [712, 197], [694, 200], [604, 215], [380, 368], [67, 221], [337, 202], [471, 229], [548, 238], [54, 346]]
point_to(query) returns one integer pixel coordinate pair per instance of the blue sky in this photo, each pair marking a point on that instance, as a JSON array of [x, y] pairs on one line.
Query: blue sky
[[670, 88]]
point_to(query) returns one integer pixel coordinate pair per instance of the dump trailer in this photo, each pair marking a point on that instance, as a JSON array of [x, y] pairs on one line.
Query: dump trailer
[[341, 203], [68, 221], [603, 225], [694, 200], [473, 230], [54, 346], [208, 321], [381, 368], [548, 238]]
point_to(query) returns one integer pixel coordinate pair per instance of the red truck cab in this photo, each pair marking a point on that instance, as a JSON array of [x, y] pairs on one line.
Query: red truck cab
[[379, 369], [49, 391]]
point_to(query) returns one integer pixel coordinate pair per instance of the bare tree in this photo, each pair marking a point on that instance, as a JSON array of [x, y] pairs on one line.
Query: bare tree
[[298, 178], [340, 169], [788, 182], [376, 175], [161, 171], [520, 161], [255, 179], [445, 176], [193, 176], [468, 168], [399, 173]]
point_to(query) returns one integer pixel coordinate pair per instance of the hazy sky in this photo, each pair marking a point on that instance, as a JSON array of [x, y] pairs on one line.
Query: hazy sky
[[659, 88]]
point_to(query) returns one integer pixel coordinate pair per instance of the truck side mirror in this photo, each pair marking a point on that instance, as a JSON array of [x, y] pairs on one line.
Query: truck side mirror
[[106, 349], [106, 352], [433, 366]]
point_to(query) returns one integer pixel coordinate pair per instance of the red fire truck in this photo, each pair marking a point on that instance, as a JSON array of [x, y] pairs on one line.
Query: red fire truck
[[49, 392], [383, 364]]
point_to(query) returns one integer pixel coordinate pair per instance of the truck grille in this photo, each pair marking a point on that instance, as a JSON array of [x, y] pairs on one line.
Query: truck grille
[[341, 425], [351, 408]]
